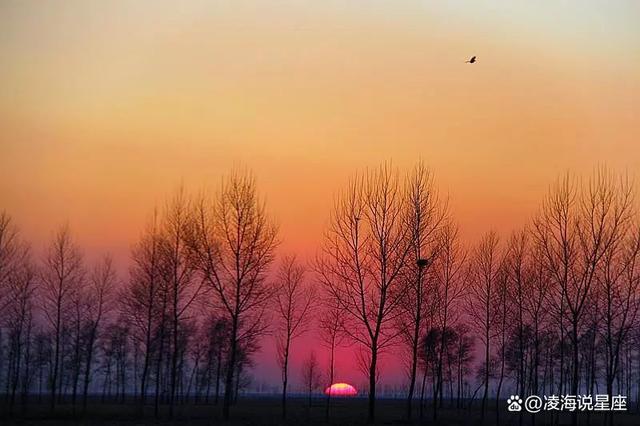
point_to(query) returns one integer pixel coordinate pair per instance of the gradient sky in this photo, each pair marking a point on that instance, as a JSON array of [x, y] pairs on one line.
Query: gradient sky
[[106, 107]]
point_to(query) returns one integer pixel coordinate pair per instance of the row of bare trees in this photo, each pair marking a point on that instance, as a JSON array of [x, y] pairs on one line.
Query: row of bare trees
[[51, 315], [209, 254], [560, 295], [551, 308]]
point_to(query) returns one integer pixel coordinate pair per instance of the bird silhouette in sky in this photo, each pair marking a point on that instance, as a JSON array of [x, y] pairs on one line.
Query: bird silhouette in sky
[[472, 60]]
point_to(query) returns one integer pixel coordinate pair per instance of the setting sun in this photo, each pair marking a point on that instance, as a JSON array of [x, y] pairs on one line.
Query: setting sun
[[341, 389]]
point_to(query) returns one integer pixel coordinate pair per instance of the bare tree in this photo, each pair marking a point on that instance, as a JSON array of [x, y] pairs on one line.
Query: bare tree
[[62, 275], [363, 257], [311, 375], [294, 302], [75, 333], [502, 314], [485, 268], [450, 276], [17, 317], [424, 216], [16, 289], [99, 299], [619, 282], [233, 241], [140, 299], [517, 280], [332, 334], [536, 306], [161, 334], [577, 226], [177, 270]]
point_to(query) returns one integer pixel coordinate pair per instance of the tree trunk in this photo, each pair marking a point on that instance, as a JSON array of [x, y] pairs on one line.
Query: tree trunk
[[414, 366], [218, 374], [174, 355], [87, 371], [499, 388], [228, 385], [574, 384], [56, 356], [422, 388], [372, 386], [285, 376], [486, 377], [331, 373], [159, 367]]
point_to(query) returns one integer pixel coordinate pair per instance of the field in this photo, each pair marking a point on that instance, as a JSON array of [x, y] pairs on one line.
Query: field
[[266, 411]]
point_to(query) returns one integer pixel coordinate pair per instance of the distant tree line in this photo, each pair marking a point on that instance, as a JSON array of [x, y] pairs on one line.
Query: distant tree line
[[551, 308]]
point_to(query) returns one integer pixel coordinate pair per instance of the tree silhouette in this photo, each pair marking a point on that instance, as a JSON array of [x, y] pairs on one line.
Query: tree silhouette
[[363, 258], [333, 335], [62, 275], [233, 242], [294, 302], [424, 217], [485, 274]]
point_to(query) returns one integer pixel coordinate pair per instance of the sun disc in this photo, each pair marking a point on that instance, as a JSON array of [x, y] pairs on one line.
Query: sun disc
[[341, 389]]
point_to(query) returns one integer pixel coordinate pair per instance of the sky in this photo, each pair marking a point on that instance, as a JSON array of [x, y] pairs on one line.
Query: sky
[[107, 107]]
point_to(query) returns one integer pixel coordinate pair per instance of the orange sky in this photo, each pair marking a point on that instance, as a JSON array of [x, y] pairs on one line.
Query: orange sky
[[105, 107]]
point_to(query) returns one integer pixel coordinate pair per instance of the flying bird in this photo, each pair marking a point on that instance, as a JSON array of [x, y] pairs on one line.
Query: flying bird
[[472, 60]]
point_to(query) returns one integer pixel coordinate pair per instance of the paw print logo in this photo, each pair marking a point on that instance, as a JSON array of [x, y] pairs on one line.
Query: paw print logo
[[514, 403]]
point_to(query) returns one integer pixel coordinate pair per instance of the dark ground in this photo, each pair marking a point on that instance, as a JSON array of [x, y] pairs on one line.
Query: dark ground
[[266, 411]]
